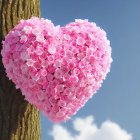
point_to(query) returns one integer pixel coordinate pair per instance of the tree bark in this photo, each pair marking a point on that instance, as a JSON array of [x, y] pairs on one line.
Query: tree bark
[[19, 120]]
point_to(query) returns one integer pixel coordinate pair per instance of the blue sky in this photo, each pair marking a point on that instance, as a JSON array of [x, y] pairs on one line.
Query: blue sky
[[118, 100]]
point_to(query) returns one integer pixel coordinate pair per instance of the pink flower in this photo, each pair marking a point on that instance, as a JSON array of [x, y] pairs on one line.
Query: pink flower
[[59, 88], [74, 50], [26, 29], [43, 56], [30, 62], [64, 69], [23, 38], [24, 68], [49, 77], [76, 71], [66, 76], [52, 100], [81, 55], [62, 103], [57, 64], [37, 65], [56, 95], [74, 79], [51, 69], [16, 55], [45, 85], [64, 61], [24, 55], [32, 71], [52, 49], [43, 72], [91, 36], [55, 108], [54, 82], [60, 114], [71, 96], [30, 50], [45, 63], [41, 80], [56, 56], [66, 36], [34, 56], [39, 50], [69, 54], [58, 73], [50, 59], [81, 65], [62, 52], [66, 91], [35, 76], [40, 38], [71, 65], [31, 83], [80, 41], [36, 31]]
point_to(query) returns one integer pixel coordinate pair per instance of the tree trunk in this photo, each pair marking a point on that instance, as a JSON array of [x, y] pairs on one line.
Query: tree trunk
[[19, 120]]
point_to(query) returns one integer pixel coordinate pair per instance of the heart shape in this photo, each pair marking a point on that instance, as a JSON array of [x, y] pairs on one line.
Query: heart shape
[[57, 69]]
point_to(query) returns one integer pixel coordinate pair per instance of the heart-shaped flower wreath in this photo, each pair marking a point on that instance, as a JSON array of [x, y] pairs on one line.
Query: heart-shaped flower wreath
[[57, 69]]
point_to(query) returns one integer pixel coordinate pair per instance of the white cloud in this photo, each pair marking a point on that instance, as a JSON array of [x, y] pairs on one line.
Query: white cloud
[[88, 130]]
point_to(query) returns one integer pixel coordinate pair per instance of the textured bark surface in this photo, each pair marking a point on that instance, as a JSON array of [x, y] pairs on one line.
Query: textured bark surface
[[19, 120]]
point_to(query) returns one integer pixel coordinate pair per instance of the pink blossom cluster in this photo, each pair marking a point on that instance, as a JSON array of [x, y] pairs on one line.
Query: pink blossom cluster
[[57, 69]]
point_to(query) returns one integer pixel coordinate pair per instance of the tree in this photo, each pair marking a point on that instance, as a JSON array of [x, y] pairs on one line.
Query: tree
[[19, 120]]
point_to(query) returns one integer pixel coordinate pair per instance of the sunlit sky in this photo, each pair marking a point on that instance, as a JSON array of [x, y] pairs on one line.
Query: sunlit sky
[[118, 100]]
